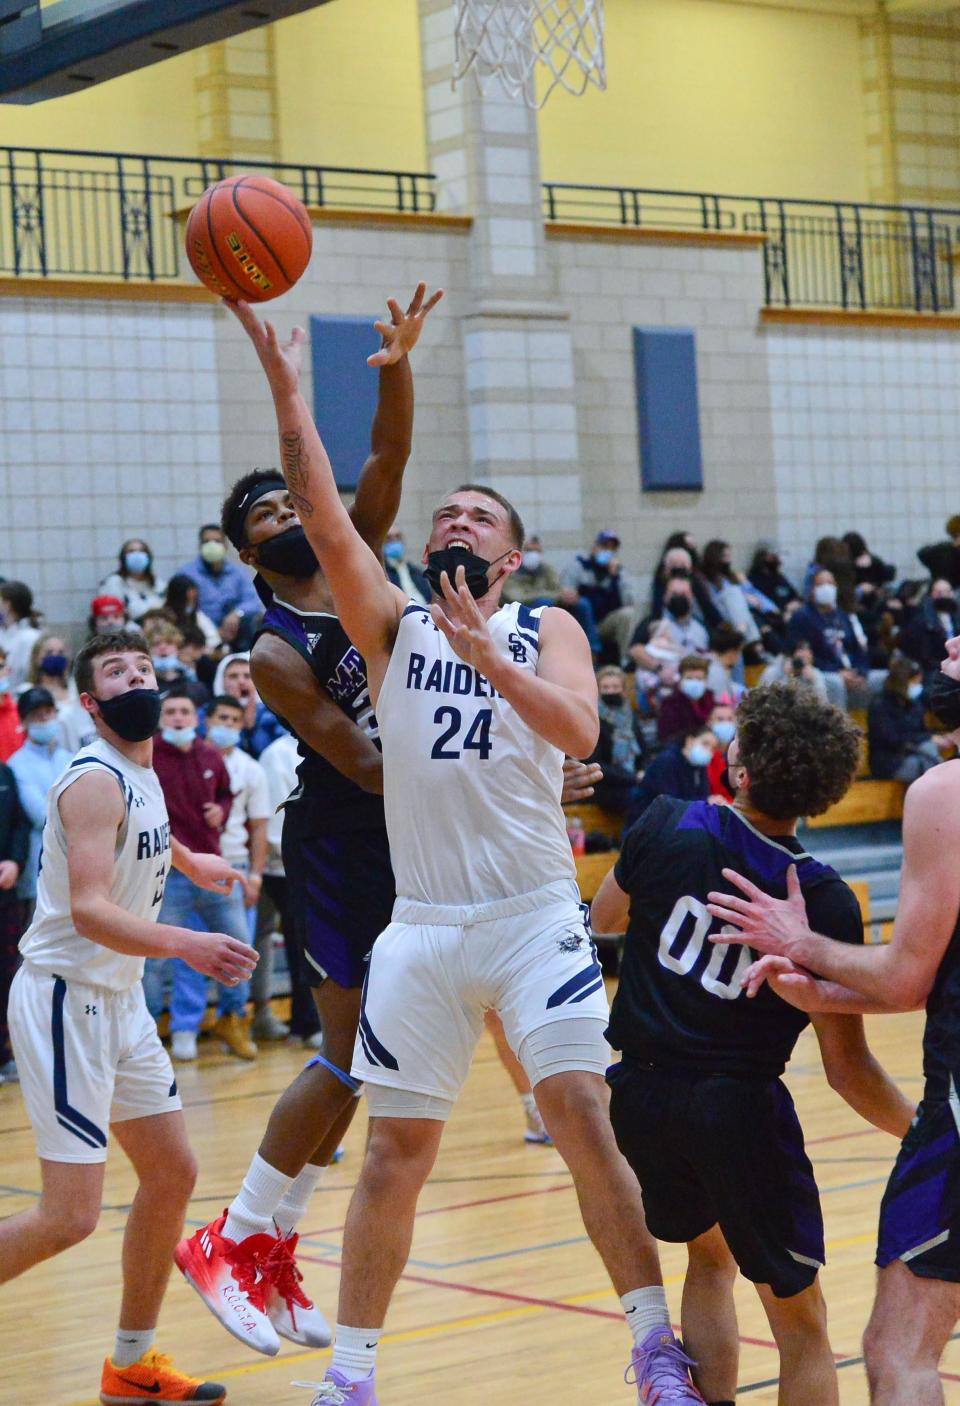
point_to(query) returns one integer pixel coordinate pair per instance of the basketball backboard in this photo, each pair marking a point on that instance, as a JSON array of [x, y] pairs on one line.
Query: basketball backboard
[[50, 50]]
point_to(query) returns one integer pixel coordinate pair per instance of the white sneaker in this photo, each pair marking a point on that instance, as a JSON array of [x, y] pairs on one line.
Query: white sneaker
[[292, 1313], [183, 1044]]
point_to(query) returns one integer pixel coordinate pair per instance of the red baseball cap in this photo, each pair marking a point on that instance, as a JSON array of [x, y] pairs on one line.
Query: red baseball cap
[[106, 605]]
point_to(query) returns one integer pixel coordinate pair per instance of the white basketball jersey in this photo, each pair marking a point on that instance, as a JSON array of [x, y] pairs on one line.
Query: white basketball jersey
[[141, 863], [472, 794]]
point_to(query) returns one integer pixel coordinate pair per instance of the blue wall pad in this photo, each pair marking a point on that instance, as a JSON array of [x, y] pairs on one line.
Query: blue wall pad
[[668, 417], [344, 390]]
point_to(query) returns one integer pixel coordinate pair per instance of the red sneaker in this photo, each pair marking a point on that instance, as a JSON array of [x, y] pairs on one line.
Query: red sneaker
[[294, 1316], [229, 1278]]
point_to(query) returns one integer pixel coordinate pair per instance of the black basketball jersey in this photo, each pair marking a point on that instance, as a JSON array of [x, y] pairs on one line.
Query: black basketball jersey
[[941, 1036], [333, 800], [680, 1003]]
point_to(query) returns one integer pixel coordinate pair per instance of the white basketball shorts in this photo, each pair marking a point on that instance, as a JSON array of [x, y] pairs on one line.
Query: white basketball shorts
[[87, 1057], [435, 971]]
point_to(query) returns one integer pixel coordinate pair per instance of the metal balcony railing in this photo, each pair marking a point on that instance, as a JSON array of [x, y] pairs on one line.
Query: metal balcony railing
[[816, 253], [109, 214]]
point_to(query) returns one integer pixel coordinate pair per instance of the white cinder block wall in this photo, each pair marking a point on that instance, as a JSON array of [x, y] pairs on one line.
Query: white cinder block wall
[[122, 418]]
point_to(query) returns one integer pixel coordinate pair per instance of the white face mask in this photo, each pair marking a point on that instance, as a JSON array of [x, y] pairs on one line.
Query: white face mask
[[825, 594], [699, 755], [532, 560], [693, 688], [914, 690]]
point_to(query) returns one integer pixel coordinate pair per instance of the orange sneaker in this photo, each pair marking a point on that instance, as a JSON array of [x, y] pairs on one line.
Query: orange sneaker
[[154, 1378]]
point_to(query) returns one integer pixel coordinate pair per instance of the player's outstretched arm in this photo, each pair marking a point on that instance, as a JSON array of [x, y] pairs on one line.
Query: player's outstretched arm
[[810, 993], [92, 811], [899, 975], [377, 501], [857, 1076], [559, 701], [369, 607]]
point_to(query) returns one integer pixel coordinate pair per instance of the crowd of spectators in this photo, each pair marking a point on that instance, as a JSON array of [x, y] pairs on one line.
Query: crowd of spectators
[[674, 655]]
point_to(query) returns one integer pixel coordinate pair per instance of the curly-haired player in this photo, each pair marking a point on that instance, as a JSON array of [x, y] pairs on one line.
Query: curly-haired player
[[698, 1106]]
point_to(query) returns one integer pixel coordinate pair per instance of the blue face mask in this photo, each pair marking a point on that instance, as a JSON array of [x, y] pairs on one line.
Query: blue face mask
[[136, 561], [693, 688], [394, 551], [4, 685], [167, 664], [43, 733], [222, 736], [699, 755], [179, 736], [603, 557], [723, 732], [914, 690]]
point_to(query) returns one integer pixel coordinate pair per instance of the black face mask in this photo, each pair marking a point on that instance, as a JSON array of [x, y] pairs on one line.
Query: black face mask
[[134, 715], [944, 604], [475, 569], [678, 606], [288, 554], [943, 699], [613, 700]]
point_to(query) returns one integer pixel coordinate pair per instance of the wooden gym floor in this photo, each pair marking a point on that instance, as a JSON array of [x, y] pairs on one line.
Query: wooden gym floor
[[503, 1298]]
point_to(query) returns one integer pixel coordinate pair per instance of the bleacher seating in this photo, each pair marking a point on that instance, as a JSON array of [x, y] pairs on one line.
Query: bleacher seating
[[865, 803]]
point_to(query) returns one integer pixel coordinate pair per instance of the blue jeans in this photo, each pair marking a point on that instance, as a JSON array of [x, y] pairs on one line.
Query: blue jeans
[[186, 905]]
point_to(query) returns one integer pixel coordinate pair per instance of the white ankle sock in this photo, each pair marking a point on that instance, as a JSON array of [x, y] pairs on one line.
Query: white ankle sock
[[355, 1351], [645, 1310], [297, 1198], [529, 1103], [130, 1345], [253, 1209]]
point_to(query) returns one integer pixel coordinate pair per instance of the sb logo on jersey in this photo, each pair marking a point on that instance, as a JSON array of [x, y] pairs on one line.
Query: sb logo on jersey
[[517, 648]]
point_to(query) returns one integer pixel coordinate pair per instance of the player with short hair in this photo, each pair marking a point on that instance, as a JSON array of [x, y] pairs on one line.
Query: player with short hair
[[476, 706], [86, 1047], [336, 858], [698, 1105], [917, 1303]]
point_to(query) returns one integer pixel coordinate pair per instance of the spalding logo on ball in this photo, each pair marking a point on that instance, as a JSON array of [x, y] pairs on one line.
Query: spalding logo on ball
[[249, 237]]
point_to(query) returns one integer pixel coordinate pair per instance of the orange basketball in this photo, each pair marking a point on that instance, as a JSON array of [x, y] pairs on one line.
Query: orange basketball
[[249, 237]]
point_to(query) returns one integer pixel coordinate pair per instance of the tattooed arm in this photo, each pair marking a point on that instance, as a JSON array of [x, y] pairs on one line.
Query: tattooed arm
[[369, 607]]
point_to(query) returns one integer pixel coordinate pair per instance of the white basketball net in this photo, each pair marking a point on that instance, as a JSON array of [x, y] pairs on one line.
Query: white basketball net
[[520, 40]]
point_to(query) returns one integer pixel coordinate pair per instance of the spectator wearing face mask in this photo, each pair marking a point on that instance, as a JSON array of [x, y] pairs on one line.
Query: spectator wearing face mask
[[197, 790], [20, 630], [106, 615], [796, 666], [181, 602], [36, 765], [680, 770], [225, 590], [620, 749], [603, 587], [723, 725], [134, 582], [260, 725], [401, 572], [728, 594], [766, 575], [675, 633], [536, 582], [838, 652], [937, 619], [725, 660], [901, 745], [50, 669], [11, 733], [690, 703]]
